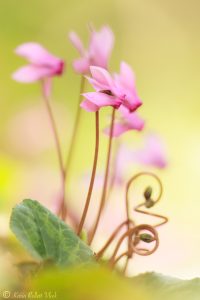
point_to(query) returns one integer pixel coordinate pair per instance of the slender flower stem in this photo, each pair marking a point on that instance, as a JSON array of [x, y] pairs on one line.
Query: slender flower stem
[[75, 129], [57, 144], [104, 190], [73, 140], [87, 203], [114, 170]]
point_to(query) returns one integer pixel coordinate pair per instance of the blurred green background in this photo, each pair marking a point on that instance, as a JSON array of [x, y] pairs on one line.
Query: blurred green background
[[160, 39]]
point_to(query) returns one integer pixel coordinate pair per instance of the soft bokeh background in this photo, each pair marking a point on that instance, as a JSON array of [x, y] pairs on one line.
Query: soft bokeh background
[[160, 39]]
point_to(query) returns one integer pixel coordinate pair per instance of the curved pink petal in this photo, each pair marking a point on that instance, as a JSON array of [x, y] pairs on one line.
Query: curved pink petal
[[136, 122], [132, 119], [131, 103], [119, 129], [102, 77], [125, 81], [153, 153], [96, 85], [38, 55], [124, 111], [30, 74], [77, 43], [101, 45], [89, 106], [124, 87], [127, 76], [101, 99], [81, 65]]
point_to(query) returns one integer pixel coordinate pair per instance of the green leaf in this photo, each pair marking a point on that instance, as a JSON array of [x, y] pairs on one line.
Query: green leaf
[[164, 287], [46, 237]]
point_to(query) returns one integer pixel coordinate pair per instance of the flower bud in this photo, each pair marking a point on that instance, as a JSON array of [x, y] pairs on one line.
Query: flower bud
[[148, 192], [147, 238]]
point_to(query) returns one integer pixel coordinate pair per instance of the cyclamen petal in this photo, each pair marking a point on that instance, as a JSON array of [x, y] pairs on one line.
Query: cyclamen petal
[[99, 49], [127, 76], [42, 64], [131, 102], [132, 119], [101, 45], [28, 74], [119, 129], [81, 65], [124, 87], [153, 153], [137, 123], [102, 77], [100, 100], [89, 106], [96, 85], [37, 55], [76, 41]]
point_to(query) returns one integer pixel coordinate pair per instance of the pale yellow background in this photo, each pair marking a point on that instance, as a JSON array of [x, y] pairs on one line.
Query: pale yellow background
[[160, 39]]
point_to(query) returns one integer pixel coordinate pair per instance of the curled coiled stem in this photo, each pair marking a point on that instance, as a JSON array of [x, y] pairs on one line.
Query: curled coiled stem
[[149, 202], [133, 237], [147, 194], [130, 182], [164, 219]]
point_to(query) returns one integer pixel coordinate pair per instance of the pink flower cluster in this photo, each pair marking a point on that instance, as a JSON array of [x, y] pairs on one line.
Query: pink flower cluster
[[117, 90]]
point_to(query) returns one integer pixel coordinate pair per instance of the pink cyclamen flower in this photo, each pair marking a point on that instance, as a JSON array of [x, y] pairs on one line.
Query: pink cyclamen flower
[[125, 88], [127, 121], [115, 90], [153, 153], [42, 64], [98, 52], [102, 82]]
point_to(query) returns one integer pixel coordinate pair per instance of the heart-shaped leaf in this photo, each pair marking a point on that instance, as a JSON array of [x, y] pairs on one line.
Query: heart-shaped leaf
[[46, 237]]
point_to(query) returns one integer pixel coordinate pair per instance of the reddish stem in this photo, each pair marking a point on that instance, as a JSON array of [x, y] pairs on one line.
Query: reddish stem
[[114, 170], [87, 203], [63, 207], [57, 143], [104, 190]]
